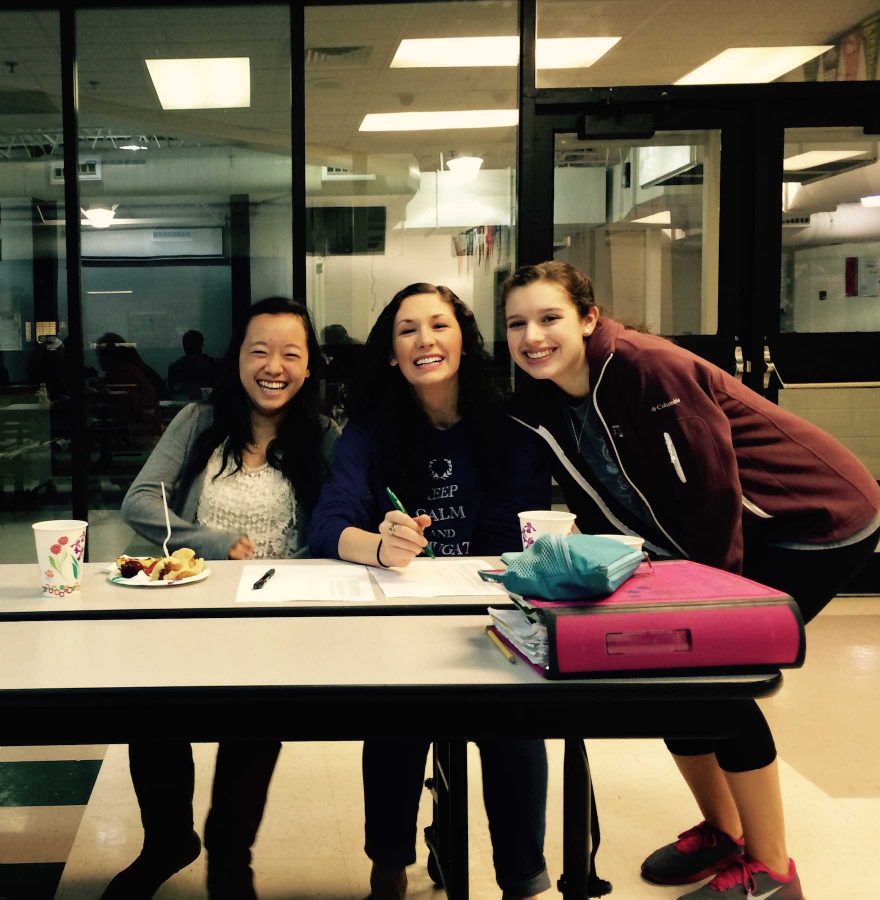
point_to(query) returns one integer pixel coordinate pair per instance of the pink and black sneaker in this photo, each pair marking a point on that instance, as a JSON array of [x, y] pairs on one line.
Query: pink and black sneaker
[[747, 878], [698, 853]]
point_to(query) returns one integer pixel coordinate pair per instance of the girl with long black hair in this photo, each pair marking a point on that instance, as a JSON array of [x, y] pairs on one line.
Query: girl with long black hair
[[243, 473]]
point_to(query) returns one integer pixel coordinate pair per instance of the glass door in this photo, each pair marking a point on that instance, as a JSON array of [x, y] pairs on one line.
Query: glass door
[[754, 246], [641, 216], [637, 200], [822, 358]]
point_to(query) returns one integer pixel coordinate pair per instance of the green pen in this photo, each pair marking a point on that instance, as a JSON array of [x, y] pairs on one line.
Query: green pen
[[400, 508]]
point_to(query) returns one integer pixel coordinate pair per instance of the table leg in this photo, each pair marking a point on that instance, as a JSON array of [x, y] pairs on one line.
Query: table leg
[[580, 831], [447, 836]]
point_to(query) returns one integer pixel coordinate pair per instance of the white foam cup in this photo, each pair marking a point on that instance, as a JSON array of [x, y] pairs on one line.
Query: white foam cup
[[61, 544], [631, 540], [535, 522]]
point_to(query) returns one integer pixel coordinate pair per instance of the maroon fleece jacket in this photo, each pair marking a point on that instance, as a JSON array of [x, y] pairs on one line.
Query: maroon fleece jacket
[[713, 460]]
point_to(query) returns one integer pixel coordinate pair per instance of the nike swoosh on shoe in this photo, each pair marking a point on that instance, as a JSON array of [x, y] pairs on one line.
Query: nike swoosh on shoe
[[766, 894]]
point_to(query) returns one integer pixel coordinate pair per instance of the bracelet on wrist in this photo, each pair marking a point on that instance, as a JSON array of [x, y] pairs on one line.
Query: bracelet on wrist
[[378, 557]]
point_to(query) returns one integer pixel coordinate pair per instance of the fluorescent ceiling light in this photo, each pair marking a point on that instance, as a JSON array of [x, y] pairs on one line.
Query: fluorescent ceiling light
[[109, 292], [464, 168], [813, 158], [440, 121], [551, 53], [751, 65], [134, 147], [571, 53], [100, 215], [660, 218], [437, 53], [790, 190], [872, 200], [218, 83]]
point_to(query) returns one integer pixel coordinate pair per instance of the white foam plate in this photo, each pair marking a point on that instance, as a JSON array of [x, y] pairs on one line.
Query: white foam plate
[[141, 580]]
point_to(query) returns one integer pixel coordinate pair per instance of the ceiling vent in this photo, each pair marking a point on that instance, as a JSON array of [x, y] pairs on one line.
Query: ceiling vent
[[172, 234], [580, 157], [825, 170], [89, 170], [17, 103], [337, 57], [125, 162]]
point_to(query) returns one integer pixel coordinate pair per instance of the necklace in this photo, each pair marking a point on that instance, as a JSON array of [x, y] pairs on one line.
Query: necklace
[[577, 435]]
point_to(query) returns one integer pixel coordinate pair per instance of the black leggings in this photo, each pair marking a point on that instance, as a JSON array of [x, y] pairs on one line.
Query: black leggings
[[163, 776], [812, 578]]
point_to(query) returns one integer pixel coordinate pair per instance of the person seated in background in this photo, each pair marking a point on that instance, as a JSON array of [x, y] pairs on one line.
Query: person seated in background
[[343, 354], [194, 370], [123, 368], [49, 365]]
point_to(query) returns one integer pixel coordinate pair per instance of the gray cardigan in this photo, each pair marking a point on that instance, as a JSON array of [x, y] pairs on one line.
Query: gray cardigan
[[142, 506]]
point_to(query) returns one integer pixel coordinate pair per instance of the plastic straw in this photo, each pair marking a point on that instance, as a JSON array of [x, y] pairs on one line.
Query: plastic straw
[[167, 521]]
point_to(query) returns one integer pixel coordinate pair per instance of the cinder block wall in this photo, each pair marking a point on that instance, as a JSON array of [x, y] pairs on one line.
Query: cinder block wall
[[852, 415]]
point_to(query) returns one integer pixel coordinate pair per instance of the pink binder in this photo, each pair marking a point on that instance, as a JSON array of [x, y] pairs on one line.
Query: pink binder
[[673, 616]]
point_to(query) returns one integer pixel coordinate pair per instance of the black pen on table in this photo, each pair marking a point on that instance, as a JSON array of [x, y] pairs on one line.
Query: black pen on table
[[400, 508], [263, 579]]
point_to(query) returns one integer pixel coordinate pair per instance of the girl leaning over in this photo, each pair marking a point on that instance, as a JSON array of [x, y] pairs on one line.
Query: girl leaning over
[[658, 442]]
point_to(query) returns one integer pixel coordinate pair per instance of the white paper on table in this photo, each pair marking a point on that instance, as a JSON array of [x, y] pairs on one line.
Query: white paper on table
[[320, 582], [457, 577]]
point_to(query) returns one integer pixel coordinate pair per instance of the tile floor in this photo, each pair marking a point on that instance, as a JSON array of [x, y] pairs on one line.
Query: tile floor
[[825, 720]]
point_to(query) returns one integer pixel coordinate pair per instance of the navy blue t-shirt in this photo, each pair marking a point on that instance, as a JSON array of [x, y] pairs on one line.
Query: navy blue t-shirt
[[469, 517]]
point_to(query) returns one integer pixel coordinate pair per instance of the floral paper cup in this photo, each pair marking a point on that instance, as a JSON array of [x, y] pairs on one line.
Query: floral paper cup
[[535, 522], [61, 544]]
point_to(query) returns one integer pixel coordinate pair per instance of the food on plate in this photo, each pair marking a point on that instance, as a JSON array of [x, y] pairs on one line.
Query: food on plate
[[182, 563]]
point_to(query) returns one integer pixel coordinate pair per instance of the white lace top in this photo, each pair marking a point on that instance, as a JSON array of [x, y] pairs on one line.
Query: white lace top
[[256, 502]]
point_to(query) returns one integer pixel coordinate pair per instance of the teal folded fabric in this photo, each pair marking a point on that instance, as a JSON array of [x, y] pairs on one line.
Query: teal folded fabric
[[570, 567]]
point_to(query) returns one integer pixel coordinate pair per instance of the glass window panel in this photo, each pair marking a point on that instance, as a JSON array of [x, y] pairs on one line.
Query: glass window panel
[[663, 42], [827, 357], [34, 401], [830, 231], [641, 217], [386, 208], [199, 190]]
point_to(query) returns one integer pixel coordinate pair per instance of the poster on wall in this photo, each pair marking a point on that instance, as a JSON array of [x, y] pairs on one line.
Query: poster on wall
[[10, 326], [869, 270], [860, 276]]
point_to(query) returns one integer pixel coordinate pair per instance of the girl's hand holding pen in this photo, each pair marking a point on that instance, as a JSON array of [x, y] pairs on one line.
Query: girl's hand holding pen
[[403, 537]]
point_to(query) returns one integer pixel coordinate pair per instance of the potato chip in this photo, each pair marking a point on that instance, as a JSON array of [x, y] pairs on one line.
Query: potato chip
[[183, 563]]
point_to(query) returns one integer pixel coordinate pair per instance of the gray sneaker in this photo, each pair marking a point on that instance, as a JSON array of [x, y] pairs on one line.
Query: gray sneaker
[[747, 879], [698, 853]]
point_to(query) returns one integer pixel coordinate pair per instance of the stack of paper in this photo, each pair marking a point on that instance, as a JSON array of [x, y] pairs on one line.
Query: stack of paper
[[529, 637], [456, 577], [332, 582]]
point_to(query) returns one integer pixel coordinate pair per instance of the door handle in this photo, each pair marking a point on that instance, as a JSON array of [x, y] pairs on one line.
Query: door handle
[[769, 367], [743, 366]]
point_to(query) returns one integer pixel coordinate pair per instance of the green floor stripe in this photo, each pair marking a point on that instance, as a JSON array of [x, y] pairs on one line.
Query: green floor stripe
[[54, 783], [29, 881]]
